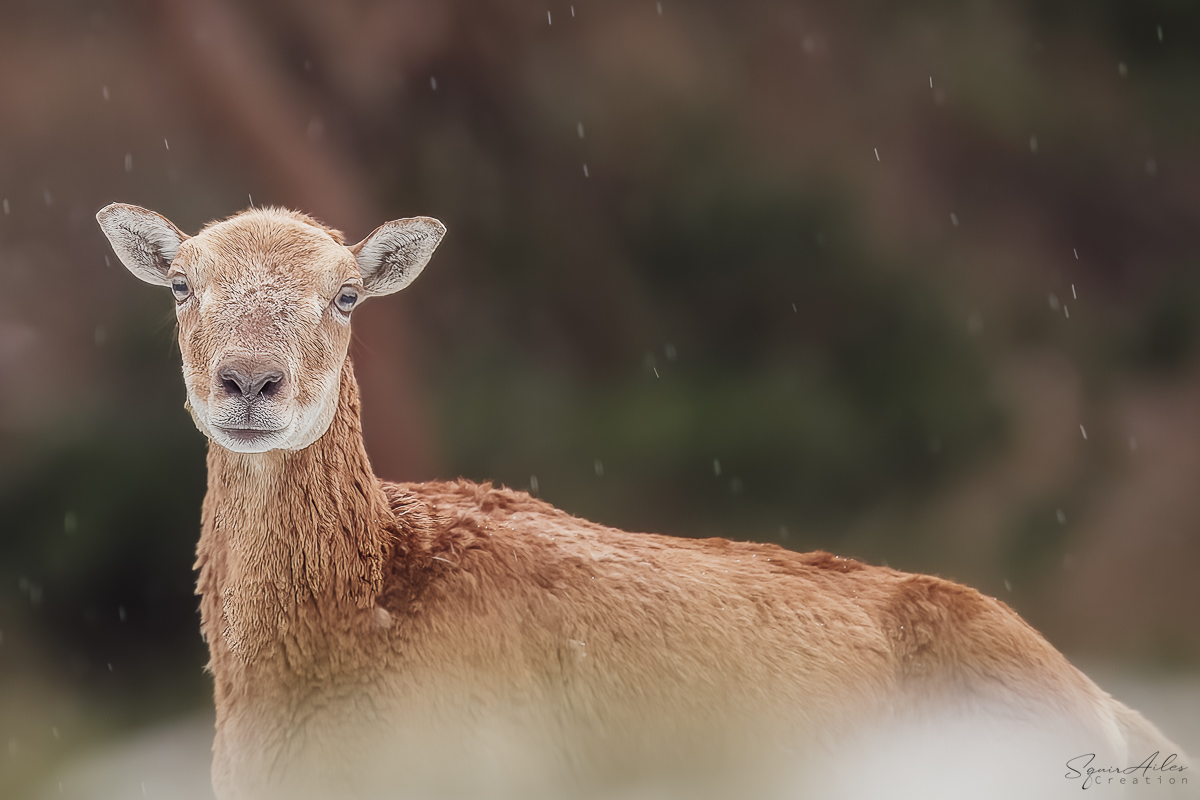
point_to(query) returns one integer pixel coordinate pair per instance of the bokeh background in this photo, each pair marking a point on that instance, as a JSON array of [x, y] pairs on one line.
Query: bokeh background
[[916, 283]]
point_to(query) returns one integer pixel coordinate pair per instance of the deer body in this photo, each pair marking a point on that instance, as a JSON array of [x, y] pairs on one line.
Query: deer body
[[373, 639]]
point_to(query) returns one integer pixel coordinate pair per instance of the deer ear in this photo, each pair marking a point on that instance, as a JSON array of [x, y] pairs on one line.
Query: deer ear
[[396, 252], [145, 242]]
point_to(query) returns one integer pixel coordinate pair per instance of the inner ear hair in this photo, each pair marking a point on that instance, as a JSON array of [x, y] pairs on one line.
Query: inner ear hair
[[145, 242], [396, 252]]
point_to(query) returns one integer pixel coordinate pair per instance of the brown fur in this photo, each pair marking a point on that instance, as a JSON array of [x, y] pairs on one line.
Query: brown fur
[[360, 630]]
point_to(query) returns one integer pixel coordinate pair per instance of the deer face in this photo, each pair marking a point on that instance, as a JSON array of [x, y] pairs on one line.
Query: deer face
[[264, 301]]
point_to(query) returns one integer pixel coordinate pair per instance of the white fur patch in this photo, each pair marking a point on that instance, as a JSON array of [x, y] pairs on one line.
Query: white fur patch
[[381, 617], [311, 422]]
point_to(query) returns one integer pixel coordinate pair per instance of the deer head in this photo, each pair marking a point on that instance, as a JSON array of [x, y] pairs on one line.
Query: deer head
[[264, 301]]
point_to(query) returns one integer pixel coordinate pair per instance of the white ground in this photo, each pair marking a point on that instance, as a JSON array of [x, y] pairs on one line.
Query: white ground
[[172, 760]]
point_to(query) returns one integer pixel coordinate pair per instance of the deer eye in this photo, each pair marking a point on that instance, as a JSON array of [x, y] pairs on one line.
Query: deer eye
[[180, 288], [346, 299]]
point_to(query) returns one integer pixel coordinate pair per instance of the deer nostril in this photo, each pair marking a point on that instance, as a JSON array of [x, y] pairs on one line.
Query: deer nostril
[[234, 382], [271, 387], [268, 384], [250, 383]]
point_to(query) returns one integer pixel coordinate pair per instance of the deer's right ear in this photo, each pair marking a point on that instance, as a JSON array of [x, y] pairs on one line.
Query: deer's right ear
[[145, 242], [396, 252]]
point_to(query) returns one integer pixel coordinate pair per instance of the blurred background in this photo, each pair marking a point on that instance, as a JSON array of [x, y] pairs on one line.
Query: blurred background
[[917, 284]]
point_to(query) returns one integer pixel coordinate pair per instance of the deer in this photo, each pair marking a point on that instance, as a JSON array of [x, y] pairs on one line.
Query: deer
[[448, 638]]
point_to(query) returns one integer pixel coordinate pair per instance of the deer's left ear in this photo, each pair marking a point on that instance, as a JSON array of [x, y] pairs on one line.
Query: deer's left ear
[[396, 252], [145, 242]]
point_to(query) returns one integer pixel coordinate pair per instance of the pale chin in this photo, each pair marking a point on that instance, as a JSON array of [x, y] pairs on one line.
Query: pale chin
[[263, 443], [301, 431]]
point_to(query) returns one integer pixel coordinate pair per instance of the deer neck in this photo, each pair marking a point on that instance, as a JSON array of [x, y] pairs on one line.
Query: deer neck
[[291, 534]]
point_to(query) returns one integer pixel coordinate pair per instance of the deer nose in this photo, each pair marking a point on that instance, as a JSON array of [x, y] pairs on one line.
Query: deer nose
[[250, 379]]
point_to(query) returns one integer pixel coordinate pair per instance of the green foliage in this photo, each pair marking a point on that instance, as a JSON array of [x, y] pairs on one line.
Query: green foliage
[[102, 528], [819, 377]]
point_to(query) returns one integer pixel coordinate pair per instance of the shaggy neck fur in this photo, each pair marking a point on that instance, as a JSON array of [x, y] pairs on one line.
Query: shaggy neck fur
[[293, 548]]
